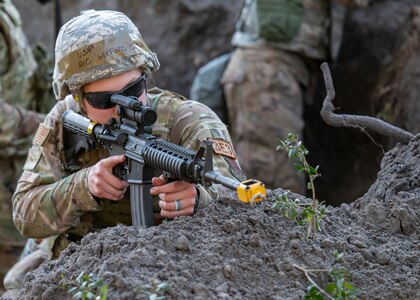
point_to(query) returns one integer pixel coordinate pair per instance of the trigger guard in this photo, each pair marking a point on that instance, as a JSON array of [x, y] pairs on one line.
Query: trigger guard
[[121, 172]]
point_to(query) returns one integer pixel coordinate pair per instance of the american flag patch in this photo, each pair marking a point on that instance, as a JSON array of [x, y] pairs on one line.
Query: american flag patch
[[42, 134]]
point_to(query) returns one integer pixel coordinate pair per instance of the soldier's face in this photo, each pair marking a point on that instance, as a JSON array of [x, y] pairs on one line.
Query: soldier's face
[[114, 84]]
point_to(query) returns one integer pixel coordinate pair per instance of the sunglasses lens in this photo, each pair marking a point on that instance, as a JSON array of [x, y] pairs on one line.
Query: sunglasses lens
[[102, 100], [135, 89]]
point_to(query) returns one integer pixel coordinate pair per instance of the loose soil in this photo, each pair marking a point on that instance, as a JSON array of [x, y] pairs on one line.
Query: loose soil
[[234, 251]]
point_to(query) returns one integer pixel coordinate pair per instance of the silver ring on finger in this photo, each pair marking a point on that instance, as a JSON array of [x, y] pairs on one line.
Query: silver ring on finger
[[177, 205]]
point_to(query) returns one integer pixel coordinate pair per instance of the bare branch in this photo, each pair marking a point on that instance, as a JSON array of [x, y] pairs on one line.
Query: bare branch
[[361, 122], [328, 296]]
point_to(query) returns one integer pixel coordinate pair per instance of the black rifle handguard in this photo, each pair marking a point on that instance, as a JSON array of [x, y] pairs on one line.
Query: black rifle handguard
[[130, 135]]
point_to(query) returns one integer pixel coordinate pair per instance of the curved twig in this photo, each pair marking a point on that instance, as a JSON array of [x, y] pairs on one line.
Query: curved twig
[[321, 290], [361, 122]]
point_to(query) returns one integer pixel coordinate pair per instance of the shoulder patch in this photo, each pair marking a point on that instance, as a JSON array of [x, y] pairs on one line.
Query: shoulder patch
[[34, 154], [222, 147], [42, 134]]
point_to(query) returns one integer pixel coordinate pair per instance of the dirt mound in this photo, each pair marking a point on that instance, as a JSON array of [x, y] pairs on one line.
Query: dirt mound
[[232, 251]]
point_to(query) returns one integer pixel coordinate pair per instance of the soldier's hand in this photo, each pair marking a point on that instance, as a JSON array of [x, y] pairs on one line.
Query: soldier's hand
[[103, 183], [176, 198]]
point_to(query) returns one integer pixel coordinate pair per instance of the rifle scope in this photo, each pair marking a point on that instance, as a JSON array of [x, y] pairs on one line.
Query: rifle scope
[[132, 109]]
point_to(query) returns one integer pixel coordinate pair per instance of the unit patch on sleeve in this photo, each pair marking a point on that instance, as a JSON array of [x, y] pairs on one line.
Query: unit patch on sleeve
[[222, 147]]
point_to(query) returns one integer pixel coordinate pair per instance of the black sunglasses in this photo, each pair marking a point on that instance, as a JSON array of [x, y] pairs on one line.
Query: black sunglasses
[[102, 100]]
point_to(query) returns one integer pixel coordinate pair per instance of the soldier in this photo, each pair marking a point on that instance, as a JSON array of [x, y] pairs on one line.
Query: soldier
[[17, 126], [278, 47], [99, 53], [24, 91]]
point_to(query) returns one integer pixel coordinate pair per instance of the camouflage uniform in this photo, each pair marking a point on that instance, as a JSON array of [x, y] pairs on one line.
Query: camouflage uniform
[[19, 92], [74, 212], [52, 199], [266, 82], [16, 125]]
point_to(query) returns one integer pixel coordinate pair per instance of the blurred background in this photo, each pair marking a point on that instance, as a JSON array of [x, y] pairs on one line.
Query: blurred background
[[184, 34], [376, 72]]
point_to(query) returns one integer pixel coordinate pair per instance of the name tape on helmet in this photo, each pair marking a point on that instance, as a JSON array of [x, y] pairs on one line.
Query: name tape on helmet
[[99, 53]]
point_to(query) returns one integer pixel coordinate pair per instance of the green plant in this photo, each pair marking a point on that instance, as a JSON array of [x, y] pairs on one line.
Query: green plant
[[153, 288], [339, 288], [86, 286], [307, 214]]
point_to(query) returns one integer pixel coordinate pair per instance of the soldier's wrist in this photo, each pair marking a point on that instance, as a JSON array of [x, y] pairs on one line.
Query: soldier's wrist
[[197, 199]]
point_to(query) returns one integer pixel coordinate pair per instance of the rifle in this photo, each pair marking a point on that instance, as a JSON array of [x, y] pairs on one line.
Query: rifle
[[131, 136]]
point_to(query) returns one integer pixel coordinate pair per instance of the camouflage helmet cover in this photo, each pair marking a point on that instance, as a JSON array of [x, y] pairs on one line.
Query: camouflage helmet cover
[[97, 45]]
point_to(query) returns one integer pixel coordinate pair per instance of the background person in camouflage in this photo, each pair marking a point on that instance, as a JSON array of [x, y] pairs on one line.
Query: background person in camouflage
[[278, 47], [103, 51], [17, 125], [23, 90]]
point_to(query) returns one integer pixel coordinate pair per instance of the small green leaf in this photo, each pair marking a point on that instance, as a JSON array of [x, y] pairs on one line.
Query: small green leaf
[[291, 154], [162, 286], [293, 213], [338, 256], [340, 284], [313, 294], [153, 297], [78, 278], [312, 170], [347, 285], [330, 287], [104, 292], [299, 167]]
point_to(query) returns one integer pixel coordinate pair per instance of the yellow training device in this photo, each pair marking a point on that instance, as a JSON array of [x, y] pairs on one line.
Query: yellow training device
[[251, 190]]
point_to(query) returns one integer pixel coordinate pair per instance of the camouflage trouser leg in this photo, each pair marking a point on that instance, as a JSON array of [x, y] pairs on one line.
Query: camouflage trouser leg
[[11, 242], [34, 254], [264, 97]]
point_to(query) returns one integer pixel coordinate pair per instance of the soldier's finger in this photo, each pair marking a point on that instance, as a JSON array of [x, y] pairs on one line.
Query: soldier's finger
[[177, 205], [98, 175], [112, 161], [114, 181], [173, 214], [157, 181], [170, 187], [107, 191], [183, 194]]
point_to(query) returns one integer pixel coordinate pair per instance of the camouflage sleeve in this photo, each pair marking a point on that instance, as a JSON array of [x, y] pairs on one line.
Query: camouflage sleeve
[[48, 200], [4, 54], [17, 127], [195, 122]]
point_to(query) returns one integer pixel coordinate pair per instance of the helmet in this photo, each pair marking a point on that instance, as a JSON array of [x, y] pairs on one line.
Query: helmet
[[97, 45]]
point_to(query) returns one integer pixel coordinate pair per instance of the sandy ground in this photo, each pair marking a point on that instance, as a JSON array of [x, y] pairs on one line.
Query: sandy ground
[[231, 251]]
